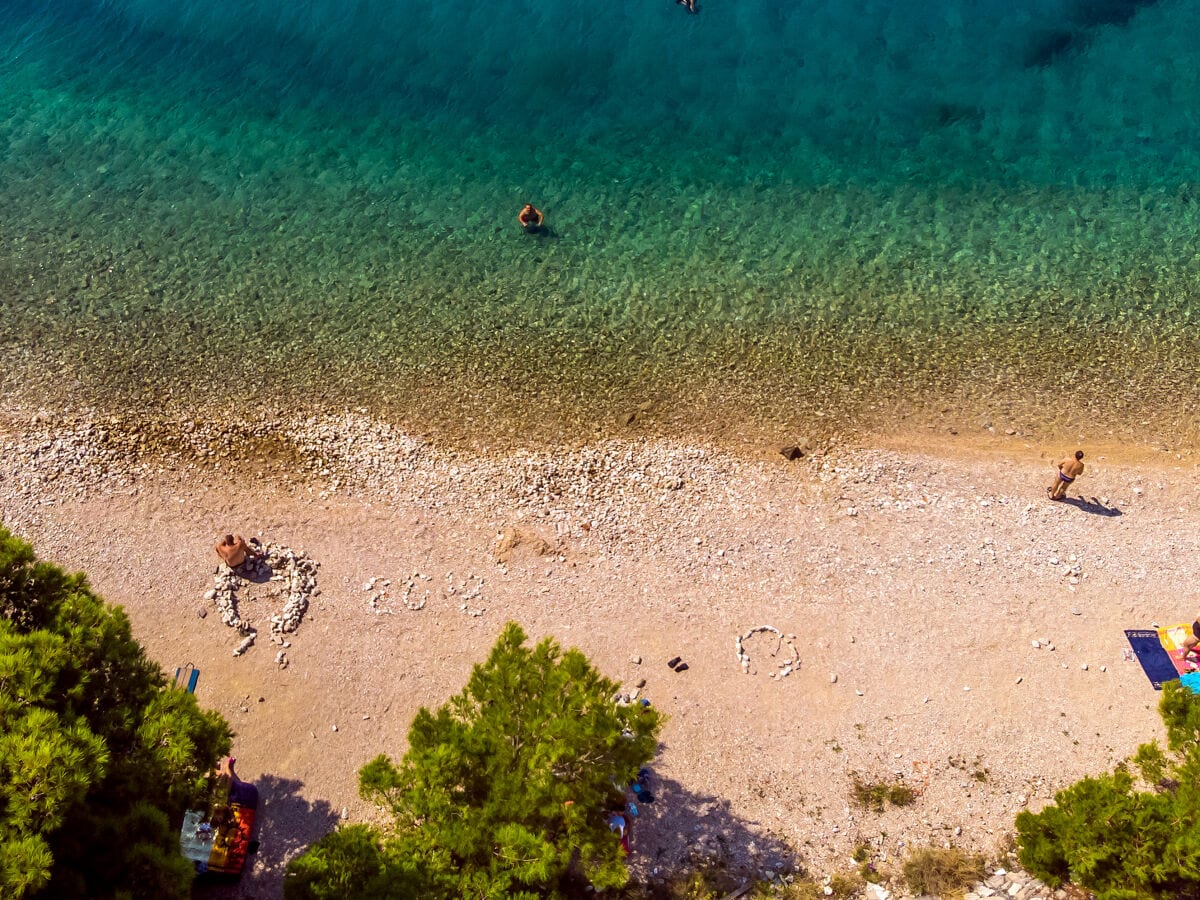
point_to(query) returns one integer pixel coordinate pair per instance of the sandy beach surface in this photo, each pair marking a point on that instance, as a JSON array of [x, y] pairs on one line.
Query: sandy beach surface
[[915, 573]]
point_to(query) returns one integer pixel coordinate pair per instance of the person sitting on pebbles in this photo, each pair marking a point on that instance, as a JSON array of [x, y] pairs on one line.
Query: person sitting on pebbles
[[1190, 643], [234, 550]]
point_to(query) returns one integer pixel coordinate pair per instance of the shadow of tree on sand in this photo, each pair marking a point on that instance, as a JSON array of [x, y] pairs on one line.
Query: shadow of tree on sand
[[684, 829], [286, 823], [680, 831]]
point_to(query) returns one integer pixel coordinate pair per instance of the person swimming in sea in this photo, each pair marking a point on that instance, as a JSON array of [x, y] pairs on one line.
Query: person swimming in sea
[[689, 5], [531, 219]]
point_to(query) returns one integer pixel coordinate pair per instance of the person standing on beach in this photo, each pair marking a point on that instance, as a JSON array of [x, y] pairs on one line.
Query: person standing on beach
[[1068, 470]]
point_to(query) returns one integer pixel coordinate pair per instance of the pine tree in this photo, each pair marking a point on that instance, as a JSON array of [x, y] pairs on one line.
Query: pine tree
[[1133, 834], [503, 791], [97, 754]]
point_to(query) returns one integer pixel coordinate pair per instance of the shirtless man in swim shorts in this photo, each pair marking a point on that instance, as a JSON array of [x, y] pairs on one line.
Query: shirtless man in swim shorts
[[1068, 470], [234, 551]]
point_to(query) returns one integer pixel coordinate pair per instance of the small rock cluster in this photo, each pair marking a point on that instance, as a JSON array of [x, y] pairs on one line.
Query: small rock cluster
[[297, 572], [300, 574], [466, 592], [378, 588], [789, 665], [1005, 884]]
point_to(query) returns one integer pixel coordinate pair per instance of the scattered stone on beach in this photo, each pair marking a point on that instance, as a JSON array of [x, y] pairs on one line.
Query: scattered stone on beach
[[246, 644], [792, 453], [409, 587], [470, 588]]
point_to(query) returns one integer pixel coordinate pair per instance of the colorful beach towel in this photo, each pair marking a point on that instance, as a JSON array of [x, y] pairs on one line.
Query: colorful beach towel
[[1161, 652]]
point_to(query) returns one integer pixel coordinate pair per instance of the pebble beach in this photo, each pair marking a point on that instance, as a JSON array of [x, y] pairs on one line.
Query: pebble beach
[[953, 630]]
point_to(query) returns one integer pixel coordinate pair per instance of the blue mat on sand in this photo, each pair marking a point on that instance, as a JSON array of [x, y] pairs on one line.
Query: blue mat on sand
[[1191, 680], [1156, 662]]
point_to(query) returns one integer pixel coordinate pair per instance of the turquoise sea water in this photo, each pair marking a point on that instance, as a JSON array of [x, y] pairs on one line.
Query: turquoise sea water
[[765, 209]]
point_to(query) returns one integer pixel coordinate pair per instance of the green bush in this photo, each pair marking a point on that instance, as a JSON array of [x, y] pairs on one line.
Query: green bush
[[873, 795], [503, 791], [1133, 834], [942, 871], [98, 757], [846, 884]]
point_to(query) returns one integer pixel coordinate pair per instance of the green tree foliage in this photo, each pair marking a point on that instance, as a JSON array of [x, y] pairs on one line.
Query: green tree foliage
[[97, 755], [503, 791], [1133, 834]]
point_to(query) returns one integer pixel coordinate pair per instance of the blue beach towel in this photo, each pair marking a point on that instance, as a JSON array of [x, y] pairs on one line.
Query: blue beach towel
[[1155, 660], [1191, 680]]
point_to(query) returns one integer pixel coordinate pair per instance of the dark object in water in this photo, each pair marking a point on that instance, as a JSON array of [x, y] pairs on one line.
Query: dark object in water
[[1046, 47], [1094, 13]]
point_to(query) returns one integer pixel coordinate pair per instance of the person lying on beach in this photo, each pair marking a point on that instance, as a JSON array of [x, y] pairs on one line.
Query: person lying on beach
[[531, 218], [234, 550], [1190, 643], [1068, 470]]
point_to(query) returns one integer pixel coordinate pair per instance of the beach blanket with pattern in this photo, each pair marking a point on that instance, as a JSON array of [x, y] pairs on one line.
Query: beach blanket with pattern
[[1161, 652]]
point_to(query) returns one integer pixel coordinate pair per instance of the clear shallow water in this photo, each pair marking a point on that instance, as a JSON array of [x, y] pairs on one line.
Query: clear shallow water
[[768, 210]]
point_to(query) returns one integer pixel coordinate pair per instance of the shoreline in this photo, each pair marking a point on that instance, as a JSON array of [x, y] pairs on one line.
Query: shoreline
[[272, 432]]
